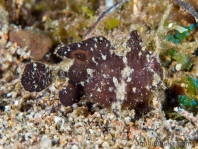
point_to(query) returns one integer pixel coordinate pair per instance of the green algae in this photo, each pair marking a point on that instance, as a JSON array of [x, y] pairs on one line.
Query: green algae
[[187, 96], [174, 55], [177, 36], [187, 102], [111, 23], [88, 11]]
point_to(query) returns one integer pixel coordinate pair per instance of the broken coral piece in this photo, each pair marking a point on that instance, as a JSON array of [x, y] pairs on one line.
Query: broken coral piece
[[106, 77]]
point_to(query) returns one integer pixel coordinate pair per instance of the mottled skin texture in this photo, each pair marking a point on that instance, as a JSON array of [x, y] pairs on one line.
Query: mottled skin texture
[[71, 92], [99, 73], [36, 77]]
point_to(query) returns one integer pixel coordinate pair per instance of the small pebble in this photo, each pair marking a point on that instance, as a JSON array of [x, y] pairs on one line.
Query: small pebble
[[37, 43], [105, 144], [178, 67], [74, 147]]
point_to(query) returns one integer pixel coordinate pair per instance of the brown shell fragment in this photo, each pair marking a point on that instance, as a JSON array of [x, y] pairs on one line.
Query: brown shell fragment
[[36, 77], [37, 43]]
